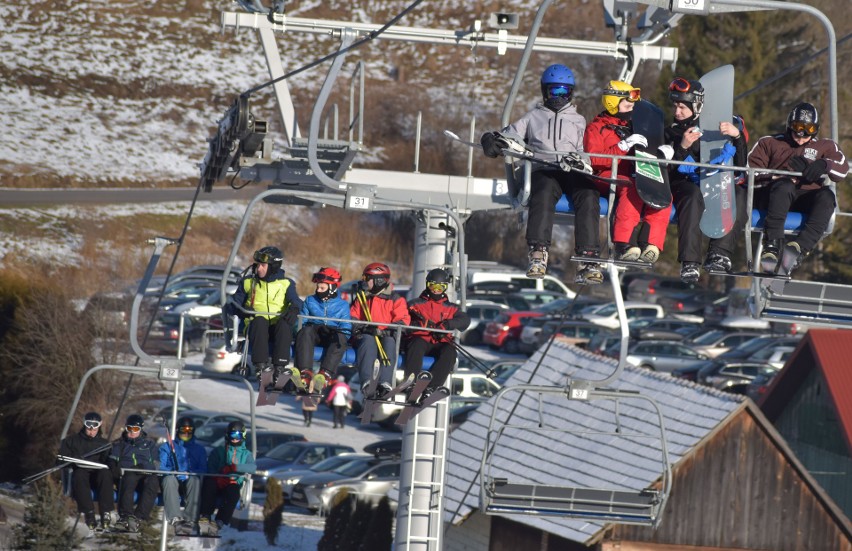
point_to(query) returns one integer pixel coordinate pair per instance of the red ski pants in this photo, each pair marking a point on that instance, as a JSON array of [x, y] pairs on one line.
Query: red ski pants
[[630, 209]]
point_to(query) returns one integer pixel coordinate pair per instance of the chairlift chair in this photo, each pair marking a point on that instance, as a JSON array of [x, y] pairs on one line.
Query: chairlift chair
[[504, 492]]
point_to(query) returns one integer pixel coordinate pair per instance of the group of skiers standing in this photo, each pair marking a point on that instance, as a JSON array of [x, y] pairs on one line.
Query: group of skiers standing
[[139, 469], [554, 132], [269, 301]]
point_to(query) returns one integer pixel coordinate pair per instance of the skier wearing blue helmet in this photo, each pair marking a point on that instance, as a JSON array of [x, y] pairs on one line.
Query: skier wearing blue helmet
[[555, 125]]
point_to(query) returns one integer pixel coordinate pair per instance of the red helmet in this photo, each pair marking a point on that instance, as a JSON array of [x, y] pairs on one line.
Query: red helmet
[[327, 275], [377, 269]]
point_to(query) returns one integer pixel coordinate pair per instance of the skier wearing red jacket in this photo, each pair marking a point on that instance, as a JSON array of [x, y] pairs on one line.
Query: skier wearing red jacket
[[433, 310], [611, 132], [382, 306]]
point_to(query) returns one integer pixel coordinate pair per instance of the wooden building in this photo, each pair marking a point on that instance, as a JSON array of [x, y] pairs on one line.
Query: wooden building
[[736, 483]]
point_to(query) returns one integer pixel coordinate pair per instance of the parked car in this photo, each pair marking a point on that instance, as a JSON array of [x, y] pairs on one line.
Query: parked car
[[576, 332], [172, 301], [501, 371], [607, 316], [733, 376], [156, 411], [716, 342], [368, 479], [522, 300], [688, 304], [650, 288], [292, 456], [481, 270], [734, 303], [218, 359], [504, 333], [165, 334], [481, 312], [758, 387], [207, 307], [200, 417], [603, 340], [289, 479], [667, 329], [775, 356], [662, 355], [757, 344], [212, 435]]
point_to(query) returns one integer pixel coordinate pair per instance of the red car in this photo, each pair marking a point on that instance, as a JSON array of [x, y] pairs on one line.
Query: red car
[[504, 332]]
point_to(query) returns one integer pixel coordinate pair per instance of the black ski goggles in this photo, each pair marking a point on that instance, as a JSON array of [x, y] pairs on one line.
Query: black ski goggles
[[264, 258], [802, 128], [92, 424]]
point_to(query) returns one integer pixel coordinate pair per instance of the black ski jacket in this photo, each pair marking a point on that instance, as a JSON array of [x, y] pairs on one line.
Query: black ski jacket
[[137, 453], [80, 444]]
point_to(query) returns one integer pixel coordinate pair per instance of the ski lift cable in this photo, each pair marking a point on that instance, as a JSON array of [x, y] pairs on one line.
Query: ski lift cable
[[370, 36]]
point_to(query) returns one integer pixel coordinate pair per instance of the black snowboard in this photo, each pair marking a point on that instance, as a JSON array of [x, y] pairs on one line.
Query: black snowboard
[[652, 179]]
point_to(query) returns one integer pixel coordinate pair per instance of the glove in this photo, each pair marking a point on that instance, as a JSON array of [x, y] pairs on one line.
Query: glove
[[667, 151], [325, 330], [363, 286], [798, 163], [631, 141], [370, 330], [488, 141], [115, 470], [291, 316], [574, 161], [815, 170]]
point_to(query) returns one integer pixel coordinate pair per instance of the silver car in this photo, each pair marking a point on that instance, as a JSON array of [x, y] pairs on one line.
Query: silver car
[[368, 478], [663, 355]]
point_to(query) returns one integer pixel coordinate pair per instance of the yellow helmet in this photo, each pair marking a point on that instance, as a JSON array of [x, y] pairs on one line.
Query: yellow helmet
[[617, 91]]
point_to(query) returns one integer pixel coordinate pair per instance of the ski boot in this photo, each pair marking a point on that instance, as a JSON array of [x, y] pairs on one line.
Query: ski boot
[[205, 526], [183, 527], [627, 252], [383, 390], [717, 262], [791, 258], [260, 367], [689, 272], [537, 261], [651, 254], [589, 272], [425, 394], [278, 372], [321, 380], [91, 523], [771, 255]]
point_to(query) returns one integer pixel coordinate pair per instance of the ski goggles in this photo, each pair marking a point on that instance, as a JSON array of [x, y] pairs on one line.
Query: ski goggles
[[680, 85], [803, 128], [92, 424], [186, 430], [264, 258], [235, 435], [133, 428], [437, 287], [558, 90], [322, 278], [632, 96]]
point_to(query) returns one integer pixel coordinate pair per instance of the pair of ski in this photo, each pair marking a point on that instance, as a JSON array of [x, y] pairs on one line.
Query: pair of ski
[[270, 387], [413, 405]]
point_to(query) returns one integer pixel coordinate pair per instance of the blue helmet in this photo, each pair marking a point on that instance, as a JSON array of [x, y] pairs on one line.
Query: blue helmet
[[557, 80]]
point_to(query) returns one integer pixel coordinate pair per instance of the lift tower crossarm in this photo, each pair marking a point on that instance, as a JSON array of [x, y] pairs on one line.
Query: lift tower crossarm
[[615, 50]]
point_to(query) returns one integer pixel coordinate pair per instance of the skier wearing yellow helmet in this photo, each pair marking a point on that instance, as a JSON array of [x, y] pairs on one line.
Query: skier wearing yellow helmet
[[611, 132]]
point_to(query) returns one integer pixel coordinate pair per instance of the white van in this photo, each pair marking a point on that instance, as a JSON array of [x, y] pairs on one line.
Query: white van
[[481, 271]]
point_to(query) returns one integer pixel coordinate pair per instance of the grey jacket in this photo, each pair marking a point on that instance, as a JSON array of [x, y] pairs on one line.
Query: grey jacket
[[543, 129]]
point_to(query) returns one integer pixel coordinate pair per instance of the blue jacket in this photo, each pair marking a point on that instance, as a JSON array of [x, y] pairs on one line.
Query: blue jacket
[[231, 459], [332, 308], [191, 457]]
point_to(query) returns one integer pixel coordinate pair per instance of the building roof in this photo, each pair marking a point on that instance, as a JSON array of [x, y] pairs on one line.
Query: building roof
[[830, 352], [691, 413]]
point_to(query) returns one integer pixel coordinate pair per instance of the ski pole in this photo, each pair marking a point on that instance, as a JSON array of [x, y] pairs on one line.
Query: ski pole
[[479, 364], [171, 445], [362, 298], [33, 477]]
